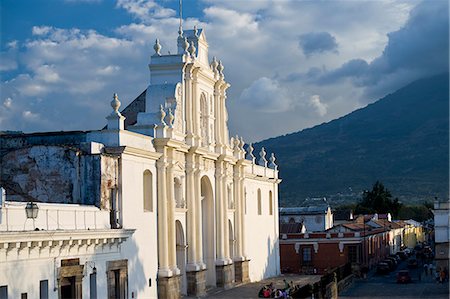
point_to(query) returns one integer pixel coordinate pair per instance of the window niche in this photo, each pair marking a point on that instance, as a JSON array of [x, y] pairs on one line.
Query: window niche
[[259, 202], [148, 191]]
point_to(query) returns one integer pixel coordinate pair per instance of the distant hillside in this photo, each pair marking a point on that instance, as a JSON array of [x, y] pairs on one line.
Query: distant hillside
[[401, 140]]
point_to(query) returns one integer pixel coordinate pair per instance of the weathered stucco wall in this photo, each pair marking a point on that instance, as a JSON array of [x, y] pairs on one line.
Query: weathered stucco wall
[[54, 174]]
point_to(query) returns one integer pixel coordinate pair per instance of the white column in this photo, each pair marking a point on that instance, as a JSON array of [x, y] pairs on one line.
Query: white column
[[238, 211], [217, 113], [188, 104], [199, 219], [196, 106], [163, 243], [226, 236], [172, 249], [191, 229], [219, 214], [242, 215]]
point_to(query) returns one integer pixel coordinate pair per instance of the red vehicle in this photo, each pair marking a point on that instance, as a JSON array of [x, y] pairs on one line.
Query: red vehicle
[[403, 276]]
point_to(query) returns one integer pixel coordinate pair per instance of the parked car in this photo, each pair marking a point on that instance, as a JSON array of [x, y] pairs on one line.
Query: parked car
[[403, 276], [412, 263], [383, 268]]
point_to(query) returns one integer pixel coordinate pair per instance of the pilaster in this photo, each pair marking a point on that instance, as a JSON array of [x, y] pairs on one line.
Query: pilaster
[[191, 229], [163, 242], [220, 248]]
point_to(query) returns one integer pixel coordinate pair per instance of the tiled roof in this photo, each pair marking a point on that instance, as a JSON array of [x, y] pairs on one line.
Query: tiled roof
[[304, 210], [290, 228]]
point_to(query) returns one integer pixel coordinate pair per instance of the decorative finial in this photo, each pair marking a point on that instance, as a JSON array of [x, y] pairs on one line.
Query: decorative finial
[[157, 47], [220, 67], [272, 162], [195, 30], [236, 143], [185, 45], [241, 144], [232, 141], [214, 64], [115, 104], [250, 155], [171, 117], [262, 160], [162, 114], [192, 50]]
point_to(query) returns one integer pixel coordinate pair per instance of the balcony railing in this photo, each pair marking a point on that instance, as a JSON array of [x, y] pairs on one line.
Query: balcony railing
[[53, 217]]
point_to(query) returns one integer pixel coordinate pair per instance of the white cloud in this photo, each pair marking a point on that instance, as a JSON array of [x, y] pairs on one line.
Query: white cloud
[[28, 115], [108, 70], [76, 71], [41, 30], [321, 108], [266, 95], [145, 10], [7, 102]]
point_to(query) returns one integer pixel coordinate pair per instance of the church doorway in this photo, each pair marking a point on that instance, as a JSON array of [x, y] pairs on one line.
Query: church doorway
[[208, 228], [181, 256]]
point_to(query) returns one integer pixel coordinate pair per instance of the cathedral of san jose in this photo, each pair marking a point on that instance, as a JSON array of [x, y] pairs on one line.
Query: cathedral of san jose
[[160, 203]]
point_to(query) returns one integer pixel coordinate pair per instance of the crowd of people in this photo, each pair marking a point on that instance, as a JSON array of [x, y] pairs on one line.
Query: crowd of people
[[269, 291]]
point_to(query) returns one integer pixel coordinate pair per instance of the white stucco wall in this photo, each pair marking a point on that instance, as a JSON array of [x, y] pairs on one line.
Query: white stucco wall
[[261, 230], [141, 250]]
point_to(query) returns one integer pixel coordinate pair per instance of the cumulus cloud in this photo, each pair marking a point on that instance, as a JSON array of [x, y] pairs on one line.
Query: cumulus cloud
[[320, 108], [73, 72], [145, 10], [419, 49], [317, 42], [7, 102], [266, 95]]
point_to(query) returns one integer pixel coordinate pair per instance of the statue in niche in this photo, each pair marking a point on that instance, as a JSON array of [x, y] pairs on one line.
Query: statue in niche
[[180, 203], [230, 198]]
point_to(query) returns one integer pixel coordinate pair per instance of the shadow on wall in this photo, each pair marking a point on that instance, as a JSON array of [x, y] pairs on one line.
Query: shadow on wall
[[137, 282], [272, 259]]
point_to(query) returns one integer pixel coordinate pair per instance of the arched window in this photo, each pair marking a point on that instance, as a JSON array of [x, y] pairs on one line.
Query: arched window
[[148, 191], [259, 202], [270, 203]]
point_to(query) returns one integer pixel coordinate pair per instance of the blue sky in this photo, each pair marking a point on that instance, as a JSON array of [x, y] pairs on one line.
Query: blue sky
[[291, 64]]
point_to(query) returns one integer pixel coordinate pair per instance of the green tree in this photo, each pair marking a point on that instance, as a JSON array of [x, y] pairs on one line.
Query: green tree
[[378, 200]]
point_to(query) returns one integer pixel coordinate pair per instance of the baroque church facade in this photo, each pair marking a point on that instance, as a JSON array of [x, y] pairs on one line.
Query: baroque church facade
[[160, 203]]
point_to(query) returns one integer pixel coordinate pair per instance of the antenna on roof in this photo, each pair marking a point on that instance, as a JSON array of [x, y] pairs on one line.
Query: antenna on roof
[[180, 29]]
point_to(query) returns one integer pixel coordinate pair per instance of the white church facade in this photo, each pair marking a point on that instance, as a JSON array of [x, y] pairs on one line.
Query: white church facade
[[160, 203]]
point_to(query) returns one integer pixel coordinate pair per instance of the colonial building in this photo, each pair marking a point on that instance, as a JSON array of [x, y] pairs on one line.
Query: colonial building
[[364, 241], [317, 216], [160, 203], [442, 233]]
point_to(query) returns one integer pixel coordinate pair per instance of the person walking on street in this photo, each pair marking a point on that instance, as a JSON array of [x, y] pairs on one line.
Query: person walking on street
[[425, 268], [442, 276]]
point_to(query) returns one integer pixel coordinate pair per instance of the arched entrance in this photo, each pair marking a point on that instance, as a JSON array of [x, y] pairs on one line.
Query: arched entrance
[[208, 229], [181, 256]]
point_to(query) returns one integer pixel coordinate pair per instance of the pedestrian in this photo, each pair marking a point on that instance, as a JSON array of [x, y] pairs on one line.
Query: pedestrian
[[431, 267], [425, 268], [442, 276]]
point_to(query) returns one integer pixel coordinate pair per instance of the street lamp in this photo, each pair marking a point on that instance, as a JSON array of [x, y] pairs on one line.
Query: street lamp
[[31, 210]]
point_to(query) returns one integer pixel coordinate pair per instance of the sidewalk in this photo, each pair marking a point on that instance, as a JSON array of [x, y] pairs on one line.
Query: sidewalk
[[251, 290]]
